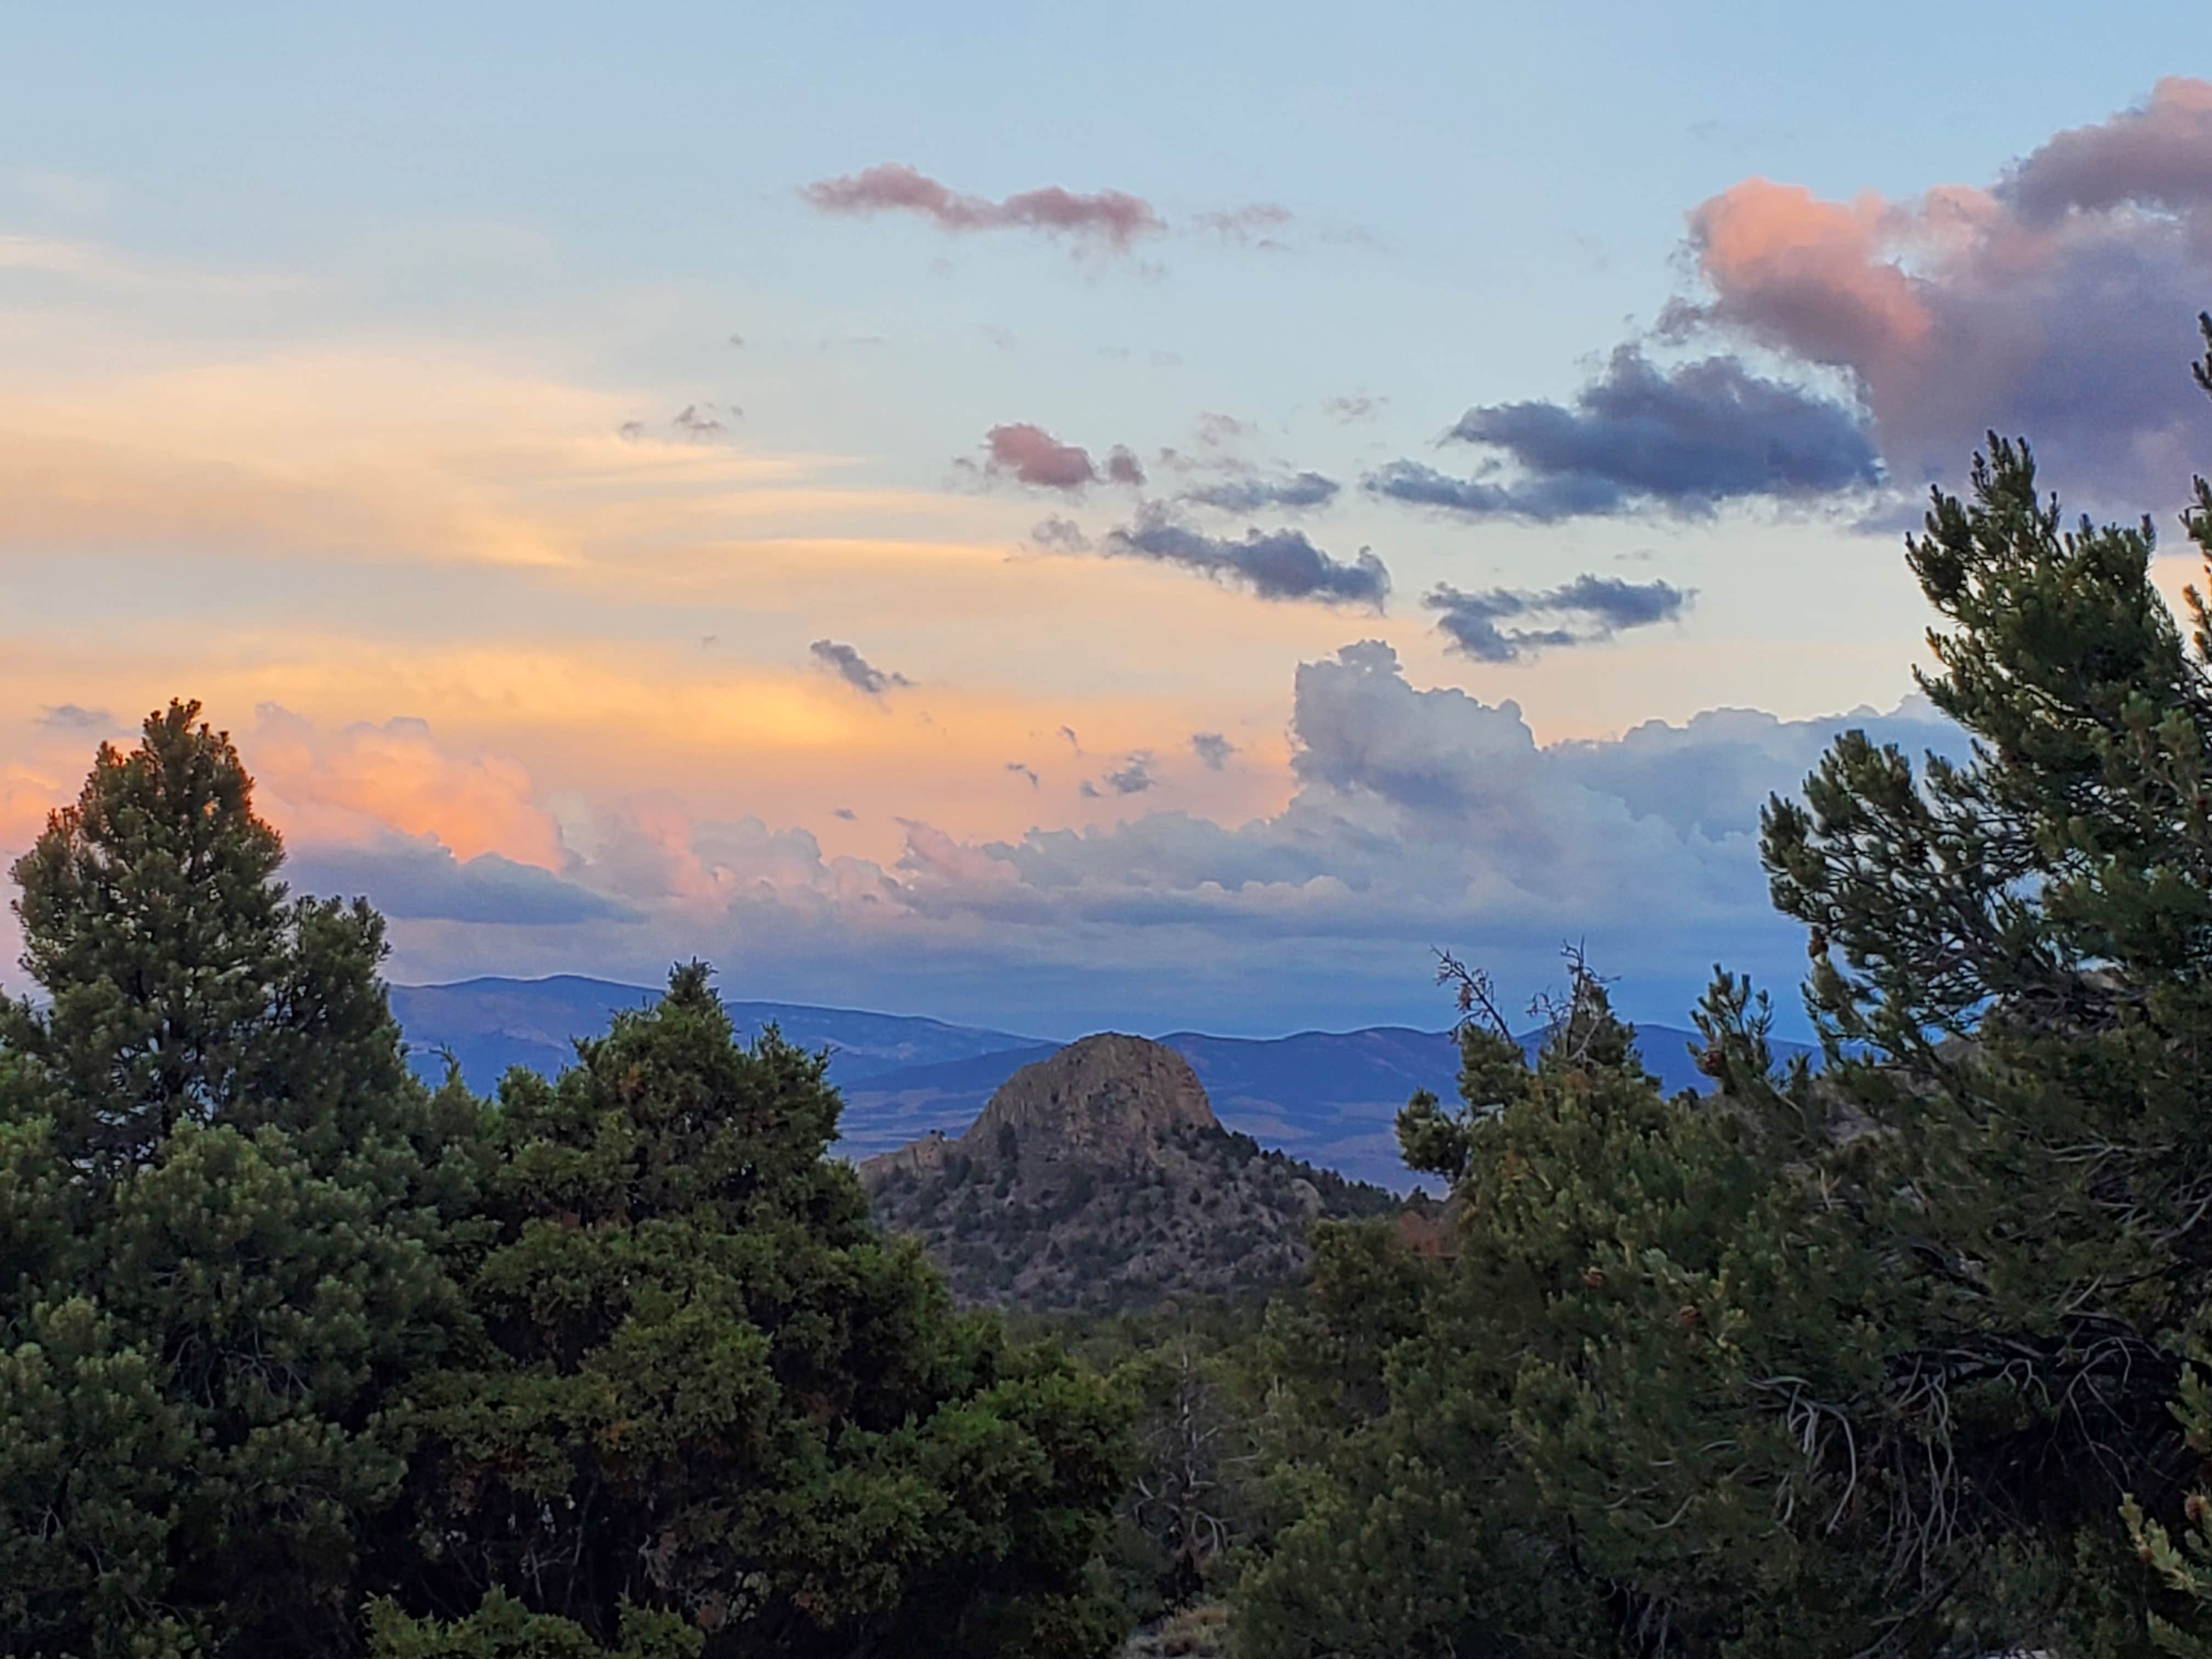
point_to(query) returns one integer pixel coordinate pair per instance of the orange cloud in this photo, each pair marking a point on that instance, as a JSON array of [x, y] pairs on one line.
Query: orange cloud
[[395, 776]]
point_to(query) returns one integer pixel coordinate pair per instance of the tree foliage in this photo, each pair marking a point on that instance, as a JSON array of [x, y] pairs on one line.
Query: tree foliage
[[297, 1357], [1855, 1364]]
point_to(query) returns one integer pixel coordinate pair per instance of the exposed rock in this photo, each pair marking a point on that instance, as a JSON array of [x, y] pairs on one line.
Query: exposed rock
[[1100, 1177]]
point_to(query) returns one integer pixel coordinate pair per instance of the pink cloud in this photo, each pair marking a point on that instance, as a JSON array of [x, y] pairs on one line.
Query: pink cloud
[[1112, 217], [1033, 456], [2058, 303]]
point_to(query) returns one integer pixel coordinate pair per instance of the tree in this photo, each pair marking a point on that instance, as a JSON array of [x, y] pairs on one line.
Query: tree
[[183, 985], [223, 1203], [1882, 1348], [719, 1395], [1585, 1429]]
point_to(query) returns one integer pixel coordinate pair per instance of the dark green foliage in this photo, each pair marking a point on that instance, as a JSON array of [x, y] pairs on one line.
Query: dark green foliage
[[647, 1381], [218, 1251], [1841, 1366], [718, 1392]]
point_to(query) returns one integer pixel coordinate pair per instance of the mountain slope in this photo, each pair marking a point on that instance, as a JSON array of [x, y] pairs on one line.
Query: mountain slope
[[1099, 1177]]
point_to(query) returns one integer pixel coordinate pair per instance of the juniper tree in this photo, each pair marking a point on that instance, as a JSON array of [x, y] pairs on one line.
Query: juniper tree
[[717, 1395]]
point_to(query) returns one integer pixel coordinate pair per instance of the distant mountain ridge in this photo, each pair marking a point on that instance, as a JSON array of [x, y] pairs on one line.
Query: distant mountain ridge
[[1327, 1096], [489, 1025]]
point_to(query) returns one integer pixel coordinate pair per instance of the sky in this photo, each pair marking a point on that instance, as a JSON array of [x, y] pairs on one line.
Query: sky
[[1047, 518]]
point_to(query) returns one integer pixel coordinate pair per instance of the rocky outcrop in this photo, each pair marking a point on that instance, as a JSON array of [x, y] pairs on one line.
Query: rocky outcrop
[[1100, 1177], [1104, 1101]]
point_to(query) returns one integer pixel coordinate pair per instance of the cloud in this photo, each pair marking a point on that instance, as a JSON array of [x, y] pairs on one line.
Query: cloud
[[1581, 612], [2058, 303], [1257, 494], [74, 717], [2159, 155], [1109, 219], [1280, 564], [1417, 816], [1211, 748], [1638, 437], [1254, 225], [698, 421], [855, 669], [354, 786], [1134, 775], [1031, 455], [1353, 407], [1059, 535], [846, 813], [1024, 769], [414, 878]]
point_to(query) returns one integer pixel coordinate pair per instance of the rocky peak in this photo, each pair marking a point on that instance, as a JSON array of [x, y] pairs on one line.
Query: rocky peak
[[1101, 1100], [1100, 1177]]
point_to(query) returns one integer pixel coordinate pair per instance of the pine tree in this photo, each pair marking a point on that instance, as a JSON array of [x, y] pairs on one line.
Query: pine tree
[[223, 1202], [185, 985]]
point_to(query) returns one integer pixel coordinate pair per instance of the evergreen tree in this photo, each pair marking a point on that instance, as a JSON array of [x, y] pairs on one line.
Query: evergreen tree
[[185, 985], [223, 1200], [1861, 1363], [719, 1395]]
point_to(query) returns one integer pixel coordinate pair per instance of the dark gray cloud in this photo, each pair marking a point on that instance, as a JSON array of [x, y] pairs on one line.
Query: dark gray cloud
[[75, 717], [1024, 769], [2057, 303], [846, 814], [699, 422], [1257, 494], [1640, 437], [1134, 775], [1489, 627], [419, 880], [1211, 748], [1279, 564], [855, 669]]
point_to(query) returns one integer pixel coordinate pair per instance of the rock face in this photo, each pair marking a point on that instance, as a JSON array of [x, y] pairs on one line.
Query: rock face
[[1101, 1178]]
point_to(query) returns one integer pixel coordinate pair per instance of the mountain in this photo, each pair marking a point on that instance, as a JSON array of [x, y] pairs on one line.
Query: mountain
[[1327, 1096], [1098, 1177], [490, 1025], [1330, 1098]]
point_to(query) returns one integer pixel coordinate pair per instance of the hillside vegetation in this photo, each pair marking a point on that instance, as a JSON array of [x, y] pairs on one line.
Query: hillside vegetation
[[1101, 1179]]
